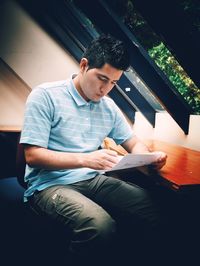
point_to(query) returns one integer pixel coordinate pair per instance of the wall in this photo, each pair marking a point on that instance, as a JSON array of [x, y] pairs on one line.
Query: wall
[[167, 129], [30, 51], [33, 56], [13, 94], [36, 58]]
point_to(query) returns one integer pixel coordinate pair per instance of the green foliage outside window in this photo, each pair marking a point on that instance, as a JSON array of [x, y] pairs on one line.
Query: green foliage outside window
[[158, 51], [176, 74]]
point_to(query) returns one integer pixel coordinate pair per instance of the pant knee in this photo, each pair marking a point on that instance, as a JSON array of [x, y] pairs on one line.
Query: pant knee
[[93, 234], [99, 227], [105, 227]]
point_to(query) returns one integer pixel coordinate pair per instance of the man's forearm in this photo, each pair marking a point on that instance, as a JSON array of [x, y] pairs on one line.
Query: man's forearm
[[140, 147], [39, 157], [134, 145]]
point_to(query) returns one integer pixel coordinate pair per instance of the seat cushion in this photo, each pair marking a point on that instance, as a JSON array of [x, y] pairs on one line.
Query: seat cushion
[[10, 190]]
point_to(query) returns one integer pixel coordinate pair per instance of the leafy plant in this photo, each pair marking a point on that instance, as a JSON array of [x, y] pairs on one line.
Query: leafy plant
[[157, 49], [176, 74]]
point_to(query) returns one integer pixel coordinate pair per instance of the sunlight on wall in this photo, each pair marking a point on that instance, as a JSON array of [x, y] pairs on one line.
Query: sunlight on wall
[[29, 50], [167, 129], [33, 55]]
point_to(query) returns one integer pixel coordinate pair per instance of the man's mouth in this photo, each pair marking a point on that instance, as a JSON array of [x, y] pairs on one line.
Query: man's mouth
[[100, 95]]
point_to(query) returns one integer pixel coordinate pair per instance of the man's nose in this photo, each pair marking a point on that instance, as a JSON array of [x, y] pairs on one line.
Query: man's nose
[[106, 87]]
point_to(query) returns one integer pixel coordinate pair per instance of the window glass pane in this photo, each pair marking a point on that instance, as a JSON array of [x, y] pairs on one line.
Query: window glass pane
[[158, 51], [143, 89]]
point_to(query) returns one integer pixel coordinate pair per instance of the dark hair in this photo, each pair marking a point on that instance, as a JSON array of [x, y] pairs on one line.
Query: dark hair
[[107, 49]]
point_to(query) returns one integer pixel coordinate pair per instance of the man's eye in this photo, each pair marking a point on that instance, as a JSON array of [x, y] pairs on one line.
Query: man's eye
[[103, 79]]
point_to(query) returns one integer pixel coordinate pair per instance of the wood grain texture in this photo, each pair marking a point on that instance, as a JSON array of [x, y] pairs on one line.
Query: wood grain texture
[[183, 164]]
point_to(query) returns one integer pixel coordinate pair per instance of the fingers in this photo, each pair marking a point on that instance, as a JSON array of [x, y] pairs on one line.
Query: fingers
[[161, 155], [109, 152], [110, 155], [102, 159], [110, 158], [161, 161]]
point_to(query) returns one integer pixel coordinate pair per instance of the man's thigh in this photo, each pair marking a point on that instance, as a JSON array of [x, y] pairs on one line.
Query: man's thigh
[[123, 199], [68, 206]]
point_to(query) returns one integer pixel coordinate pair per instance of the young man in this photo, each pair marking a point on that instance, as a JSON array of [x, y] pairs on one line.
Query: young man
[[65, 124]]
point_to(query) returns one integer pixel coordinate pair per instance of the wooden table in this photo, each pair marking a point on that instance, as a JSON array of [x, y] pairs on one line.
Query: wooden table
[[183, 165]]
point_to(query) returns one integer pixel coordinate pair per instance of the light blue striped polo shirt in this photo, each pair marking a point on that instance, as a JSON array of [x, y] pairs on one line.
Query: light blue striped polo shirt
[[59, 119]]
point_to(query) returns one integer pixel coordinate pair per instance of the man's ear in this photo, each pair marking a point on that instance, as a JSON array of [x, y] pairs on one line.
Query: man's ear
[[83, 64]]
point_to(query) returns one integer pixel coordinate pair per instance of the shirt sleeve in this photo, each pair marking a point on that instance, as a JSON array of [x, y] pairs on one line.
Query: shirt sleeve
[[121, 130], [37, 118]]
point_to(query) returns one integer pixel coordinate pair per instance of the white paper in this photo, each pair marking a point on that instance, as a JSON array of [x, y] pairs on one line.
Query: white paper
[[135, 160]]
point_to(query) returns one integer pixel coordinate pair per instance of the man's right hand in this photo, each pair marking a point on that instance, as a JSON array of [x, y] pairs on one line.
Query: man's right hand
[[101, 160]]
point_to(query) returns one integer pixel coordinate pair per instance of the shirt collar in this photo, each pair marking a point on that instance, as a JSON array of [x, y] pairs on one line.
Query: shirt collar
[[79, 100]]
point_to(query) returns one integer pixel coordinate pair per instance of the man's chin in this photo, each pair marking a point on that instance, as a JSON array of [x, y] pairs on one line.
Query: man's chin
[[97, 98]]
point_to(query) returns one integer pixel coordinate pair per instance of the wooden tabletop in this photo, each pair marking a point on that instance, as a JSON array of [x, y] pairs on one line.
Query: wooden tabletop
[[183, 164], [10, 128]]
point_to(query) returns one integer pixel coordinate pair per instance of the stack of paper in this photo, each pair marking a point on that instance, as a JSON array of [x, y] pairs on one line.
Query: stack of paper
[[135, 160]]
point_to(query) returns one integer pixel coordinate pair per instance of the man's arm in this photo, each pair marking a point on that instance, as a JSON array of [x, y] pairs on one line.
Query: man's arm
[[134, 145], [39, 157]]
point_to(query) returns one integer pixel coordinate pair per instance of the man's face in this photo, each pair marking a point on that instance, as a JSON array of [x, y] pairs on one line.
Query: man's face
[[97, 82]]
